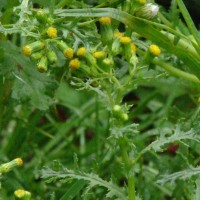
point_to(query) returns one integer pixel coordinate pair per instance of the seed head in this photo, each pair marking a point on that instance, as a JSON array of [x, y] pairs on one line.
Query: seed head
[[148, 11]]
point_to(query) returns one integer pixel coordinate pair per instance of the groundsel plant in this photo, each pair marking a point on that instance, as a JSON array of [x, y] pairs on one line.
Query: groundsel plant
[[109, 50]]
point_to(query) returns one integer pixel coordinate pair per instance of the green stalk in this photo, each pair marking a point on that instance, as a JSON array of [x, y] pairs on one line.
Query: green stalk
[[97, 126], [128, 164], [1, 102], [176, 72], [172, 70]]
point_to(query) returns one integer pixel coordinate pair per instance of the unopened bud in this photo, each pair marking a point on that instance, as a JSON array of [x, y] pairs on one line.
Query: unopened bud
[[42, 65], [6, 167], [22, 194]]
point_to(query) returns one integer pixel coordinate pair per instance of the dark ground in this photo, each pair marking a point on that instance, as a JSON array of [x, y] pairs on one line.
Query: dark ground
[[193, 7]]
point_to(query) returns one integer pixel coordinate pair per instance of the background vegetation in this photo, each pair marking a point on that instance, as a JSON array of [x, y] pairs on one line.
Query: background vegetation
[[65, 129]]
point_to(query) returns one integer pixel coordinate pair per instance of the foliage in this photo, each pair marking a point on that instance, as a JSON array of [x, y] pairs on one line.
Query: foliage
[[100, 99]]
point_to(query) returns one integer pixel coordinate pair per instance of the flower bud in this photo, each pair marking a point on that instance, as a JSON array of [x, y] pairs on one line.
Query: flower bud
[[36, 56], [154, 50], [148, 11], [117, 108], [74, 63], [119, 114], [81, 51], [107, 64], [106, 30], [6, 167], [116, 42], [69, 53], [52, 32], [22, 194], [33, 47], [41, 16], [126, 47], [99, 54], [52, 57], [133, 47], [42, 65]]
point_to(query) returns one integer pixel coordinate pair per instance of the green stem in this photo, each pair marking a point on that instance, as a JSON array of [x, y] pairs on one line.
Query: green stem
[[1, 102], [128, 164], [174, 71], [131, 188], [97, 127]]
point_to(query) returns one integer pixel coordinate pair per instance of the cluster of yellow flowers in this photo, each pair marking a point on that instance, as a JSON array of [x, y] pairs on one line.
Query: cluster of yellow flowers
[[116, 42]]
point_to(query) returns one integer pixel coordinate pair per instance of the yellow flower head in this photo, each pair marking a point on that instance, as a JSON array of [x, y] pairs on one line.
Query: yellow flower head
[[125, 40], [27, 50], [105, 20], [154, 50], [74, 63], [99, 54], [118, 34], [19, 162], [133, 47], [142, 1], [69, 53], [81, 51], [19, 193], [52, 32]]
